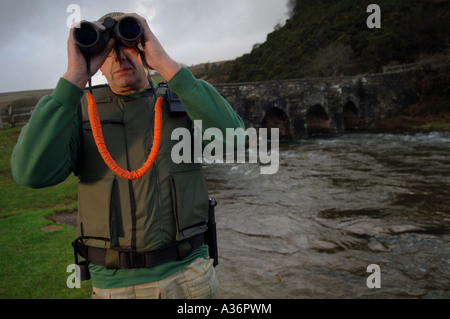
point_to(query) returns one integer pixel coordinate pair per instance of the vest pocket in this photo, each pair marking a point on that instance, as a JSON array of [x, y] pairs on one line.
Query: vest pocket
[[95, 208], [190, 202]]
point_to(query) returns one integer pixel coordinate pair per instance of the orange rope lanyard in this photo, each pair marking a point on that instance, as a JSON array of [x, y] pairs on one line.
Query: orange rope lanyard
[[96, 126]]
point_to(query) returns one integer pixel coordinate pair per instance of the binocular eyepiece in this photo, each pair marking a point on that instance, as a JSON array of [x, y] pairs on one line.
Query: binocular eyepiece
[[128, 31]]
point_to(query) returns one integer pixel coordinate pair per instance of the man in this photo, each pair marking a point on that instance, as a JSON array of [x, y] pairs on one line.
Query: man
[[143, 238]]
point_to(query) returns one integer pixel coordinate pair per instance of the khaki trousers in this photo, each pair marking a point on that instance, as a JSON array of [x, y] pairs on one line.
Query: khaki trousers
[[196, 281]]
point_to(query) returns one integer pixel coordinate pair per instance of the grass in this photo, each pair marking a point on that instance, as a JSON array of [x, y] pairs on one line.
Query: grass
[[34, 258], [157, 78]]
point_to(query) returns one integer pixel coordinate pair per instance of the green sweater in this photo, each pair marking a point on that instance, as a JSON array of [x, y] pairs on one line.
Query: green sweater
[[47, 148]]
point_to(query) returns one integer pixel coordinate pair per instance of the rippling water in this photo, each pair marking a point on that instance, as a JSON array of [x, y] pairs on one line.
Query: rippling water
[[336, 206]]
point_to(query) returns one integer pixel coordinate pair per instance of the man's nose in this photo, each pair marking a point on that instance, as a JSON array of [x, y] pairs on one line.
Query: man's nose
[[118, 54]]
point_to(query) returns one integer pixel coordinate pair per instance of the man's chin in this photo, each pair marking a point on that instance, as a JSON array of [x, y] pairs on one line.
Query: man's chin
[[124, 81]]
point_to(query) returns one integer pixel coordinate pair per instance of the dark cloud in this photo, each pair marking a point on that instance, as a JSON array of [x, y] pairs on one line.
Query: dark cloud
[[34, 32]]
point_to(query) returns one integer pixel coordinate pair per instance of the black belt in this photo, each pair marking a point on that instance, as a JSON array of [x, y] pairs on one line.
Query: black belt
[[114, 259]]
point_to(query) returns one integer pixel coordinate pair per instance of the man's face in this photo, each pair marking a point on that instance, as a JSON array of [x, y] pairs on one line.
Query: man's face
[[124, 74]]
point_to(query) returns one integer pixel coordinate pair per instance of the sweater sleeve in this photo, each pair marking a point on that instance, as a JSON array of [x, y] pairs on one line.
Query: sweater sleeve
[[46, 150], [203, 102]]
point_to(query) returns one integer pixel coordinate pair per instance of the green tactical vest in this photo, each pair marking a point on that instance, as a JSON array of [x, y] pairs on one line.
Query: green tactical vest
[[169, 203]]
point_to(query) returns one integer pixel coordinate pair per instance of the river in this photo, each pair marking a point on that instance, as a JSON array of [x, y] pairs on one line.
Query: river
[[336, 206]]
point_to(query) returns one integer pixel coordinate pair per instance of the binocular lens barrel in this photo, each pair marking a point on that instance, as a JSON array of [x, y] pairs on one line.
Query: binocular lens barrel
[[86, 34], [89, 38], [129, 29]]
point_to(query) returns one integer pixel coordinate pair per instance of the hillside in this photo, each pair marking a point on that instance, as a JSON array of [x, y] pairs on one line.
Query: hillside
[[331, 37], [21, 98]]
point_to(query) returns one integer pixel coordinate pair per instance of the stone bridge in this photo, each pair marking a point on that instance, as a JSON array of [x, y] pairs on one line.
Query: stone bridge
[[307, 107]]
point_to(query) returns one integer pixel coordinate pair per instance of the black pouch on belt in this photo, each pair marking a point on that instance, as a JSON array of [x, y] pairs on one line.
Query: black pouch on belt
[[211, 233], [82, 269]]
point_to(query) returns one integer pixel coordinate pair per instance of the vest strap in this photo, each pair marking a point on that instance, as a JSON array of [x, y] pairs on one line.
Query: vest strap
[[113, 259]]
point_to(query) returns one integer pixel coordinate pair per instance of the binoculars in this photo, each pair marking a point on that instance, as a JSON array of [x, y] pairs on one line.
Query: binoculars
[[127, 31]]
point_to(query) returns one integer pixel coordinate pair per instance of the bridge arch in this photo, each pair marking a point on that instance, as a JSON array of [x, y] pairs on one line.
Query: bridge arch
[[351, 116], [275, 117], [317, 121]]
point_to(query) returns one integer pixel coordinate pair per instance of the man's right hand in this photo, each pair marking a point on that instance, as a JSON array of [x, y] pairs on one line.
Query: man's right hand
[[77, 69]]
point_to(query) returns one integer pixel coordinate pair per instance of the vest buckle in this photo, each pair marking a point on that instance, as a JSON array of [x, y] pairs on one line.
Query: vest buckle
[[137, 260]]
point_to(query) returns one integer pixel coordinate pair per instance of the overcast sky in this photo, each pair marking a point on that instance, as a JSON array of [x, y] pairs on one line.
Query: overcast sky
[[34, 33]]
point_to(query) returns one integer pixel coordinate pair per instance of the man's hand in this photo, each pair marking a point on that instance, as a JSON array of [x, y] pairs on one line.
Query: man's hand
[[155, 55], [77, 69]]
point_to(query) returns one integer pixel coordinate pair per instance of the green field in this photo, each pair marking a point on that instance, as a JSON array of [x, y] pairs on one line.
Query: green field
[[35, 251]]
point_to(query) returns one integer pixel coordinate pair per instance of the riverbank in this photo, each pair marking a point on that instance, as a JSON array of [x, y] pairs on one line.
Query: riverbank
[[428, 115]]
